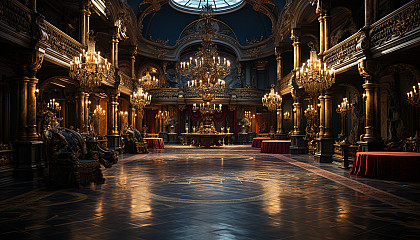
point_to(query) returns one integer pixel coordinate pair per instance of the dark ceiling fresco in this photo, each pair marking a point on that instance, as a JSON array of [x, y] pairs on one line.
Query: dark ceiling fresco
[[251, 23]]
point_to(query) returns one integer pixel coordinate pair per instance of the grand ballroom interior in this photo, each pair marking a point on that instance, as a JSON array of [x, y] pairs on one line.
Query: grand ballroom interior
[[198, 119]]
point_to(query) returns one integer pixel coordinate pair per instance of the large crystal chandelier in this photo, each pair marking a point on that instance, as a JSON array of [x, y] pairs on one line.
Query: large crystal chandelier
[[314, 75], [148, 81], [414, 95], [272, 100], [140, 99], [90, 69], [207, 68]]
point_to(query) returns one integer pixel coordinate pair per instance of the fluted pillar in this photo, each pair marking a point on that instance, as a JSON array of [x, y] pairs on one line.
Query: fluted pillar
[[370, 111], [114, 55], [326, 32], [80, 110], [321, 115], [31, 116], [296, 47], [113, 115], [280, 120], [369, 12], [84, 22], [23, 107], [321, 34], [328, 117]]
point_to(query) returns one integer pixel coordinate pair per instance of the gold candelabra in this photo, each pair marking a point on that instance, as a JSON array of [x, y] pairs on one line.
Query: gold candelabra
[[162, 115], [90, 69], [272, 100], [414, 95], [314, 75], [53, 106], [98, 111], [343, 109], [286, 116]]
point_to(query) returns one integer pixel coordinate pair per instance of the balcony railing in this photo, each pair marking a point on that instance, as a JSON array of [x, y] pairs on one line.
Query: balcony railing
[[396, 24], [344, 54], [15, 15], [62, 43]]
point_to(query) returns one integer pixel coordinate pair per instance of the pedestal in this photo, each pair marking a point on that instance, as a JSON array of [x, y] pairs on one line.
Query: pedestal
[[164, 136], [370, 146], [298, 144], [28, 159], [252, 135], [173, 137], [281, 136], [114, 143], [324, 150], [243, 138]]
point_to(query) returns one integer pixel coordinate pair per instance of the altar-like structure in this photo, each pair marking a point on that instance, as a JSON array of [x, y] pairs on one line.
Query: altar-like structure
[[206, 139]]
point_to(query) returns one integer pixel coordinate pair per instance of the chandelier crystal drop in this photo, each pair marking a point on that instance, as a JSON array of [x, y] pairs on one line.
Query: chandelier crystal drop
[[314, 75], [272, 100], [140, 99], [148, 82], [91, 69]]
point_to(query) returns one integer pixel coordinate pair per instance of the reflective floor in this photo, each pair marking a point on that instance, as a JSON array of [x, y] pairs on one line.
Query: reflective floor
[[224, 193]]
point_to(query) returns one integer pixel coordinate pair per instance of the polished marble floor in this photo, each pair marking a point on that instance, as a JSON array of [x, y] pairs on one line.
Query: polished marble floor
[[234, 192]]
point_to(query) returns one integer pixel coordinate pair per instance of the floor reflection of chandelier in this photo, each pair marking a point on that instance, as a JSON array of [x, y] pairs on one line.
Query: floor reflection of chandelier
[[140, 99], [148, 81], [414, 95], [90, 69], [207, 68], [272, 100], [314, 75]]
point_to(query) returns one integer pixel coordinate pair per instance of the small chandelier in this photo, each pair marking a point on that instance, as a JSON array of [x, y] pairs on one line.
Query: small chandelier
[[310, 112], [207, 108], [162, 115], [314, 75], [99, 112], [148, 82], [90, 69], [140, 99], [272, 100], [53, 106], [414, 96], [207, 90]]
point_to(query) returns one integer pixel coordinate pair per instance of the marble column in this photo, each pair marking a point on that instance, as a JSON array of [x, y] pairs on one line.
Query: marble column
[[114, 55], [31, 115], [114, 139], [326, 32], [84, 23], [321, 115], [86, 112], [298, 145], [280, 120], [328, 116], [296, 47], [279, 63], [23, 107], [321, 34], [80, 111]]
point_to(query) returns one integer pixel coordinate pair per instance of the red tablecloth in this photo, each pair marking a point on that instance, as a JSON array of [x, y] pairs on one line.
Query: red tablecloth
[[387, 165], [275, 146], [256, 142], [155, 143]]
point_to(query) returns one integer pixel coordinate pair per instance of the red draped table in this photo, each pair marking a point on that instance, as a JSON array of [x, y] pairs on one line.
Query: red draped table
[[387, 165], [256, 142], [154, 143], [275, 146]]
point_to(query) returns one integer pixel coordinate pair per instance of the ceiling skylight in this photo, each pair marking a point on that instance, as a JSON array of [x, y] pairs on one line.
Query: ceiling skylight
[[195, 6]]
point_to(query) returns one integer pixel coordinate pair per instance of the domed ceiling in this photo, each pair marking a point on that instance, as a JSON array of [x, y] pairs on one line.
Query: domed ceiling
[[167, 26]]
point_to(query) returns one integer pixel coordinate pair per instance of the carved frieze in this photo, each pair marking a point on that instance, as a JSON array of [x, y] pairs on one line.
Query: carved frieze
[[344, 51], [61, 42], [15, 15], [396, 24]]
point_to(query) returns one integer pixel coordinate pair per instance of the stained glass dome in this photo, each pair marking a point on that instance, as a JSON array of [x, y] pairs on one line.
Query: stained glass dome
[[195, 6]]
